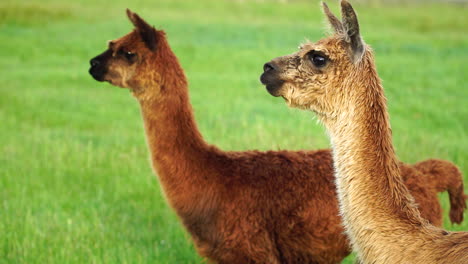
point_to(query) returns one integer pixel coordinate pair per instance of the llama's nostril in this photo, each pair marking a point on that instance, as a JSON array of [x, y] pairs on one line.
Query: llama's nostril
[[268, 67], [94, 62]]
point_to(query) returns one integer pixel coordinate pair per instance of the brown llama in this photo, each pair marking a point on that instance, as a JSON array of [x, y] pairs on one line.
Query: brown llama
[[239, 207], [336, 78]]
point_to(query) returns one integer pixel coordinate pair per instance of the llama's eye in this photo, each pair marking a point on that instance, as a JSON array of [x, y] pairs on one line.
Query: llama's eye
[[318, 60], [129, 55]]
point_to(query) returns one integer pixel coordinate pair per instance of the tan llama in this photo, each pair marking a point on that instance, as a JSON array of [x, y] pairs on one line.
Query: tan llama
[[336, 78], [243, 207]]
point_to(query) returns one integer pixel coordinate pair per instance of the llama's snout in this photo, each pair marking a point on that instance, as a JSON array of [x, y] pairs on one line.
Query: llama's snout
[[94, 62], [97, 69], [270, 78]]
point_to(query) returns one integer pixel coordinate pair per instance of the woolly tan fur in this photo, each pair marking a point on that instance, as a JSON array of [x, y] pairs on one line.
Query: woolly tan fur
[[239, 207], [379, 214]]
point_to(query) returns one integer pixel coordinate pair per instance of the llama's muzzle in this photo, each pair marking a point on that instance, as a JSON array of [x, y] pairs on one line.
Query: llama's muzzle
[[98, 65], [270, 79]]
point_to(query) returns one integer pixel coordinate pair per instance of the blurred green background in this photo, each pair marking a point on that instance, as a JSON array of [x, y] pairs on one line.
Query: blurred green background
[[76, 185]]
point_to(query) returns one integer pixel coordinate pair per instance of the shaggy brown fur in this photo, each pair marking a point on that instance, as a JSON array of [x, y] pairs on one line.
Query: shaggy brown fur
[[336, 78], [443, 175], [239, 207]]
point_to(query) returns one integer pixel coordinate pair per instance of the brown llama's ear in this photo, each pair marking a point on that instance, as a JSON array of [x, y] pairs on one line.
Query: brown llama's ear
[[147, 32], [334, 21], [351, 29]]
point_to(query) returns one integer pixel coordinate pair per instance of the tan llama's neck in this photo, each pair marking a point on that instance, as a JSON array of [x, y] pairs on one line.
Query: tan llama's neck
[[377, 208]]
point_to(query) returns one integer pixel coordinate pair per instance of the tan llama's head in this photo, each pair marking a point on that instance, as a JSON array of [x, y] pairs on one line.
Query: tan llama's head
[[313, 77], [135, 61]]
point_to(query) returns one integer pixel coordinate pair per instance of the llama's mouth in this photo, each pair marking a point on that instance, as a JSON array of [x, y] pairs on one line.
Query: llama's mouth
[[272, 84], [98, 67], [97, 74]]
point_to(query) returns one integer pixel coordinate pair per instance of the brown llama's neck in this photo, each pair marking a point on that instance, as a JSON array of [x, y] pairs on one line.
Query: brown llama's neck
[[171, 131], [375, 204], [178, 151]]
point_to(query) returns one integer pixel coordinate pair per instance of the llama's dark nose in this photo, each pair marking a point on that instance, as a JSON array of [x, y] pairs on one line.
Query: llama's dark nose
[[94, 62], [96, 70], [268, 67]]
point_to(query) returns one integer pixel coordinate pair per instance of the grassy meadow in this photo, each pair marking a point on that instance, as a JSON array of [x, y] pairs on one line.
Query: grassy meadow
[[76, 185]]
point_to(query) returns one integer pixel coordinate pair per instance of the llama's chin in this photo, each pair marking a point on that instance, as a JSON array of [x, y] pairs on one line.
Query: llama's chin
[[273, 90], [115, 83]]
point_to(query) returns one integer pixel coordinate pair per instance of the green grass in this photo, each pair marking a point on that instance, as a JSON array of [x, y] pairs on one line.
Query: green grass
[[75, 181]]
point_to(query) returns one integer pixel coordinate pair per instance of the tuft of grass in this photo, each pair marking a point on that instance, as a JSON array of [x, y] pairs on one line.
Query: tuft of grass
[[75, 179]]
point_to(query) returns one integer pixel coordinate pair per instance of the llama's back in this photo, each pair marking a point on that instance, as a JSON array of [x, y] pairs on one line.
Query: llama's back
[[445, 176]]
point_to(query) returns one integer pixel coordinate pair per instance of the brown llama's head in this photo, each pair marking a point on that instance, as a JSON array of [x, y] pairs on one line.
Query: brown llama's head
[[138, 61], [314, 77]]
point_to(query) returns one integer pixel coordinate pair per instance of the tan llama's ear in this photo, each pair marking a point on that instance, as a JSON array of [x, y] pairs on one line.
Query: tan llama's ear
[[147, 32], [334, 21], [351, 30]]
